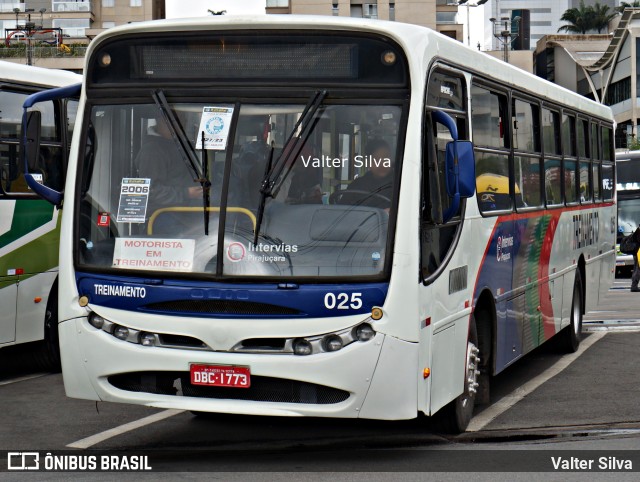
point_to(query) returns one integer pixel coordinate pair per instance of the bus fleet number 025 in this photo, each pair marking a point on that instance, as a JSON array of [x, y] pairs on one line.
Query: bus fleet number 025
[[343, 301]]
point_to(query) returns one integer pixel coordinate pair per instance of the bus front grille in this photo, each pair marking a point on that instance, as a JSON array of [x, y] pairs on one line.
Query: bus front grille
[[263, 389], [221, 307]]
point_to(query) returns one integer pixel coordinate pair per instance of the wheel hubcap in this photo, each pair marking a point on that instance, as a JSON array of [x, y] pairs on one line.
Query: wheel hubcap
[[473, 361]]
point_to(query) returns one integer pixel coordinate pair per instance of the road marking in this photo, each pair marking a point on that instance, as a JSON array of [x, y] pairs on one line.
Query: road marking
[[505, 403], [127, 427], [23, 379]]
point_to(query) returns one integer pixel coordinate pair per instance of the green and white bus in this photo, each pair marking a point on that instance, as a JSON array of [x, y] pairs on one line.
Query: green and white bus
[[29, 225]]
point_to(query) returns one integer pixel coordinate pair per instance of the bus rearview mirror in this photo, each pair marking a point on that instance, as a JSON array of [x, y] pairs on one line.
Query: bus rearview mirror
[[460, 165], [32, 140]]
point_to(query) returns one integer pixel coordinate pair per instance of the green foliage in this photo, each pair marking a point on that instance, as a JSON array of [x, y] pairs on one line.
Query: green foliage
[[585, 19], [42, 50], [633, 144]]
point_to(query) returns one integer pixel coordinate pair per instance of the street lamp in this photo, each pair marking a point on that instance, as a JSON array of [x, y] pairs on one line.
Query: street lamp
[[502, 31], [470, 5]]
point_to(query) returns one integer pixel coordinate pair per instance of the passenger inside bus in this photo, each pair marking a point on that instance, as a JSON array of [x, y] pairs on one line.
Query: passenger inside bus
[[172, 182], [306, 180]]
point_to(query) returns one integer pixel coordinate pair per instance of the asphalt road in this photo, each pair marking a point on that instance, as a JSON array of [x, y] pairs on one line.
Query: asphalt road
[[546, 401]]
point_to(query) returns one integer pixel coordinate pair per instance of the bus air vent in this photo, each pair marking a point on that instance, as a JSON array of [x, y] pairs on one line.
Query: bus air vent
[[263, 389], [221, 307]]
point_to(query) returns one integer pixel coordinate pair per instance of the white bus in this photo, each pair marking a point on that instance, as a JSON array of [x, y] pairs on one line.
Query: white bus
[[286, 216], [628, 195], [29, 226]]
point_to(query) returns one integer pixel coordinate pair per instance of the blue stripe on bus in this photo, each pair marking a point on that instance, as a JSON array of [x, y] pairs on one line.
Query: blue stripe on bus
[[287, 299]]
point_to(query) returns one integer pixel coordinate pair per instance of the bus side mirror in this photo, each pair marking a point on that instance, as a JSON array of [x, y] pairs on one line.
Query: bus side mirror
[[32, 121], [460, 165], [30, 142], [32, 139]]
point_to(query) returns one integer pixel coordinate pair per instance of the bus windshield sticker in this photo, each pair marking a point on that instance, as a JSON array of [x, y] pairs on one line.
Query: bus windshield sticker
[[134, 196], [154, 254], [215, 123], [103, 220]]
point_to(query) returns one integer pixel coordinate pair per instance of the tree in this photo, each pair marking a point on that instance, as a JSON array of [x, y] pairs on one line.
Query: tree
[[602, 17], [584, 19], [579, 19]]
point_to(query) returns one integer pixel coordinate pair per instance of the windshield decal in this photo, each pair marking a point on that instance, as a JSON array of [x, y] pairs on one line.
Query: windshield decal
[[154, 254], [264, 253], [214, 123], [134, 197]]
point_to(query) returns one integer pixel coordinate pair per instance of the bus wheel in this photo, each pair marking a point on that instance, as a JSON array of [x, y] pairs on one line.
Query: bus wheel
[[569, 337], [455, 417], [48, 356]]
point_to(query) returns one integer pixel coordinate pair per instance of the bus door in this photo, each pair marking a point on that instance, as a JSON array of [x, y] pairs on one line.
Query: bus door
[[8, 275], [8, 296], [444, 270]]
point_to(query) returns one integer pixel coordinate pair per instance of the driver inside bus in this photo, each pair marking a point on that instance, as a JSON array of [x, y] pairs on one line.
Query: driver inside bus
[[172, 182], [375, 187]]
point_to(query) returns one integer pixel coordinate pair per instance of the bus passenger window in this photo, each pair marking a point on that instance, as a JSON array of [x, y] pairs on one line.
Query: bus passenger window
[[489, 113], [492, 181]]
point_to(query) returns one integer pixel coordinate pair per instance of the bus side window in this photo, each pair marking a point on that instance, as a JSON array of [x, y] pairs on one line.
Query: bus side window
[[491, 138]]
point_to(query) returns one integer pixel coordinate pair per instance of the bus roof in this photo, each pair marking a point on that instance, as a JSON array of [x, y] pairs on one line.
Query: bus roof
[[422, 44], [36, 76]]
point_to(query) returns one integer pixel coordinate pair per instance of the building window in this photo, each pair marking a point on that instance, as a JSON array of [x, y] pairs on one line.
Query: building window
[[277, 3], [370, 10], [108, 24], [72, 27], [135, 3], [71, 6], [108, 3], [446, 17], [365, 10], [334, 9], [392, 11]]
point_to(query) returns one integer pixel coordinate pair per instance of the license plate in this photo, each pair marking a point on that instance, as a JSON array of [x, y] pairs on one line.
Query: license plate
[[220, 376]]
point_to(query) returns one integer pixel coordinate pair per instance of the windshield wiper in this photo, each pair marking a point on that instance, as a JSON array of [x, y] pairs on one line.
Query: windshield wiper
[[206, 186], [273, 178], [187, 151], [178, 135]]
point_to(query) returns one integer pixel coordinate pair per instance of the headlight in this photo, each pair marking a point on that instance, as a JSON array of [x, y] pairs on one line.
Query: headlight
[[96, 321], [365, 332], [147, 339], [121, 332], [302, 347], [332, 343]]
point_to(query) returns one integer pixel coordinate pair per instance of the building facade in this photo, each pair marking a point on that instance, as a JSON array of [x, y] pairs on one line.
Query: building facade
[[54, 33], [440, 15], [601, 67], [544, 15]]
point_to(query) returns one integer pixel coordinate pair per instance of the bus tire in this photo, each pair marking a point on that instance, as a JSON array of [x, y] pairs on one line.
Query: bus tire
[[48, 355], [455, 417], [569, 337]]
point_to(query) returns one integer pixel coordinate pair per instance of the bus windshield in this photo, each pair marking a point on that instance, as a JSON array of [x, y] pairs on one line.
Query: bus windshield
[[180, 193]]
